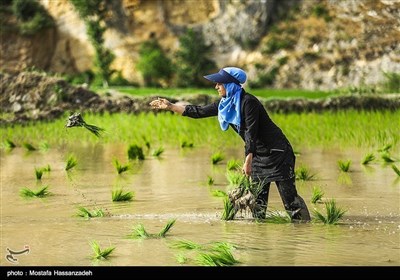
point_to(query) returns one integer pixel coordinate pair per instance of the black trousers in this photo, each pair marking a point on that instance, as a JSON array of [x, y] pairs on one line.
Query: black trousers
[[293, 203]]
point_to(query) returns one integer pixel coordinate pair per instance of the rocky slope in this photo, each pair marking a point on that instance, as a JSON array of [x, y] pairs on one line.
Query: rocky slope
[[308, 44]]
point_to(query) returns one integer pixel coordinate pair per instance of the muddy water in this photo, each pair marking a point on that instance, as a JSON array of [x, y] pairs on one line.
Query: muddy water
[[174, 186]]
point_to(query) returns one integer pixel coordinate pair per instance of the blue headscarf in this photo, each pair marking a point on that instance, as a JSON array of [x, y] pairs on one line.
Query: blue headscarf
[[229, 106]]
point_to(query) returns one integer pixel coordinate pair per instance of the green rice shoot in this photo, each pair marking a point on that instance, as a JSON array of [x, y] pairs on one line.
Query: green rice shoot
[[120, 167], [120, 195], [40, 192], [333, 213], [186, 144], [218, 257], [217, 157], [304, 174], [229, 210], [186, 244], [85, 213], [233, 164], [210, 180], [139, 232], [9, 145], [166, 228], [344, 165], [181, 258], [277, 217], [395, 169], [157, 152], [386, 157], [135, 152], [71, 162], [99, 253], [368, 158], [218, 193], [39, 173], [316, 195], [29, 147]]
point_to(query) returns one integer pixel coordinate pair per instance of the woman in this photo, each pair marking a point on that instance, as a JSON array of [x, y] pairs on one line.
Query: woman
[[269, 156]]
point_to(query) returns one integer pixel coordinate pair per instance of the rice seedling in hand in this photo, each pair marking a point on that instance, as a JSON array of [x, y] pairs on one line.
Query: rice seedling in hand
[[9, 145], [333, 213], [233, 164], [303, 174], [120, 168], [210, 181], [221, 256], [99, 253], [28, 146], [218, 193], [316, 195], [229, 210], [157, 152], [344, 165], [85, 213], [135, 152], [396, 169], [216, 158], [368, 158], [120, 195], [71, 162], [77, 120], [41, 192]]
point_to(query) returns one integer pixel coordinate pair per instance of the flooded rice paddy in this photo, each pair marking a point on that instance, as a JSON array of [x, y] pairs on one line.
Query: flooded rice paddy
[[175, 186]]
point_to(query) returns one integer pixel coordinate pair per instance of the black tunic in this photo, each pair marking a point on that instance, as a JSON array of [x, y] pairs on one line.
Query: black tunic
[[273, 157]]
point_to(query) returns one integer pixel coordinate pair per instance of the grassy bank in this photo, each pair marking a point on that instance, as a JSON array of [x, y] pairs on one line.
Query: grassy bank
[[344, 129], [265, 93]]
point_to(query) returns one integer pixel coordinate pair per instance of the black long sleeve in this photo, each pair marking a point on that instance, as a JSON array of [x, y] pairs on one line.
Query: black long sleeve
[[197, 112]]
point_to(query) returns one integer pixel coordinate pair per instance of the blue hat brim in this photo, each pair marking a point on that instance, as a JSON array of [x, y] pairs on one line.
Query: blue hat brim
[[221, 77]]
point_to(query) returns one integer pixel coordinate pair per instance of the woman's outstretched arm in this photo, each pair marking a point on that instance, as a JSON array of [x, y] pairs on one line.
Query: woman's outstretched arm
[[164, 104]]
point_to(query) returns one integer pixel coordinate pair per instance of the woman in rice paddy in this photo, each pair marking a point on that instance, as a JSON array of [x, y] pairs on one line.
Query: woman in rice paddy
[[269, 156]]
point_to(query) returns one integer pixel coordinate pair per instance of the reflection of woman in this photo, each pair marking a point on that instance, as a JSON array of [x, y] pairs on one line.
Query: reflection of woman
[[269, 156]]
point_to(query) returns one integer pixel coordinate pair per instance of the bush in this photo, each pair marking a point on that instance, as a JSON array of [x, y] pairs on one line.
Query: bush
[[31, 15]]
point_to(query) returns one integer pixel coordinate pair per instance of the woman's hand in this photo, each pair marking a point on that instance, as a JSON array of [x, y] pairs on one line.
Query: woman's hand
[[247, 165], [161, 103]]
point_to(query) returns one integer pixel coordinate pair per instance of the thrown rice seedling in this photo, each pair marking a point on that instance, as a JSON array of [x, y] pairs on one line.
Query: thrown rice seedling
[[157, 152], [210, 181], [333, 213], [229, 210], [29, 147], [396, 169], [76, 120], [221, 256], [120, 195], [303, 174], [135, 152], [99, 253], [316, 195], [217, 157], [233, 164], [368, 158], [181, 259], [139, 232], [385, 148], [41, 192], [120, 168], [71, 162], [85, 213]]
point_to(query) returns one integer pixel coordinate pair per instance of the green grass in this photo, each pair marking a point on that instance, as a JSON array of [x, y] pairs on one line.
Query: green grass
[[98, 253], [343, 129], [176, 92], [40, 192], [120, 195]]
